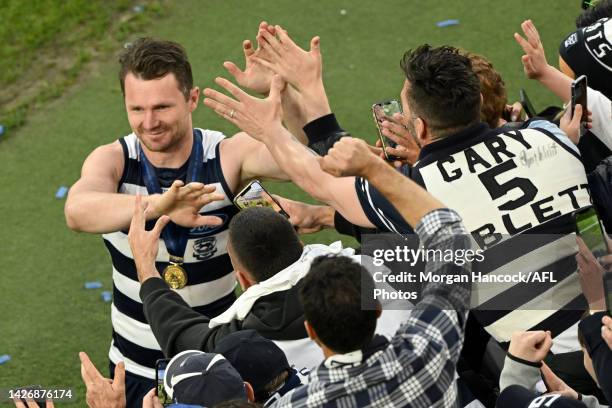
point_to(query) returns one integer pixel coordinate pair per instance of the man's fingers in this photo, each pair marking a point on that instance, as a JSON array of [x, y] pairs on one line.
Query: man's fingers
[[577, 116], [18, 403], [119, 380], [399, 139], [204, 220], [138, 217], [283, 36], [231, 88], [397, 152], [549, 377], [315, 45], [221, 97], [233, 70], [522, 42], [395, 128], [247, 48], [276, 86], [272, 41], [31, 403], [89, 372], [324, 165], [160, 224], [547, 343], [216, 106]]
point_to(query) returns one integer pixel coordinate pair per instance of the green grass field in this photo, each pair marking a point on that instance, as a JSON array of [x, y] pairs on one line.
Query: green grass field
[[47, 316]]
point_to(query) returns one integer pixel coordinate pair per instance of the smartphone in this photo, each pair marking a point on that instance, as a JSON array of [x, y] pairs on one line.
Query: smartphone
[[607, 284], [384, 111], [255, 195], [588, 226], [526, 103], [160, 374], [579, 96]]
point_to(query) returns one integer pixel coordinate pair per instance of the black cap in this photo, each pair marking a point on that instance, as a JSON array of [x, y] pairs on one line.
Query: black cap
[[257, 359], [195, 377]]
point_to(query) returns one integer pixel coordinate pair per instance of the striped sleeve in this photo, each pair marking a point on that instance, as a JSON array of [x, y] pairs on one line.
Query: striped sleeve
[[379, 210]]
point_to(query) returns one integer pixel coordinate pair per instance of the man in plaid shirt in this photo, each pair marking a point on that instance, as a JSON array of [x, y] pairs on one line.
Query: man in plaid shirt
[[416, 368]]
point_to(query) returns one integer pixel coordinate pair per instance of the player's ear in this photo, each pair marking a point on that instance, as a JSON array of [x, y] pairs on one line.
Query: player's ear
[[194, 96]]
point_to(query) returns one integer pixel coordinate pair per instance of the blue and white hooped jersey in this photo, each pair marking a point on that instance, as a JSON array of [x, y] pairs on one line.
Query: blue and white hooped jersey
[[210, 277]]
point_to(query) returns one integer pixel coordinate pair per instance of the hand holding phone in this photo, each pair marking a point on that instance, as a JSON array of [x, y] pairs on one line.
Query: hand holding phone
[[384, 111], [160, 374], [255, 195], [579, 97]]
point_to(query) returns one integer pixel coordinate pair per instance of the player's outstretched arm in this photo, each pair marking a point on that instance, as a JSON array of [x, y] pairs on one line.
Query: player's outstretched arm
[[261, 119], [352, 157], [93, 204]]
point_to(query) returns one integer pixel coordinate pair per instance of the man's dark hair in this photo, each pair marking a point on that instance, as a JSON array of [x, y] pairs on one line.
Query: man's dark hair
[[591, 15], [148, 58], [331, 298], [444, 90], [263, 241]]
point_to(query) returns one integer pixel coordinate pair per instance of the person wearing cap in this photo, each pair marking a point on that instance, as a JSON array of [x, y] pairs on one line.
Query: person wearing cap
[[261, 363], [205, 379]]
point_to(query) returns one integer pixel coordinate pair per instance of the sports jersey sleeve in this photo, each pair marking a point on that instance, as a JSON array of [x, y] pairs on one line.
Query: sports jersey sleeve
[[601, 107], [379, 210], [556, 131]]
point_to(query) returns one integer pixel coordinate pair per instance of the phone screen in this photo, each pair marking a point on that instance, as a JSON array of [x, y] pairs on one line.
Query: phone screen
[[255, 195], [384, 111], [589, 228], [160, 374], [527, 105], [579, 96]]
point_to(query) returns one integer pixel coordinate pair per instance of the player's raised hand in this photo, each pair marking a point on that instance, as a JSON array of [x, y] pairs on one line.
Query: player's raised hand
[[302, 69], [182, 203], [349, 157], [534, 60], [257, 117], [255, 76]]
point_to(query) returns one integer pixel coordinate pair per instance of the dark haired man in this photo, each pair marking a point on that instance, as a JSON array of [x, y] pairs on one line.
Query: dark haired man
[[187, 173]]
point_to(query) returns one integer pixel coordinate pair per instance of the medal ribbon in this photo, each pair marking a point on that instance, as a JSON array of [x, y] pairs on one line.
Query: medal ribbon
[[175, 236]]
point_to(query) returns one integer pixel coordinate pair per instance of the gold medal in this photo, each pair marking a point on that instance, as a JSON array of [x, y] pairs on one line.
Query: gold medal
[[175, 276]]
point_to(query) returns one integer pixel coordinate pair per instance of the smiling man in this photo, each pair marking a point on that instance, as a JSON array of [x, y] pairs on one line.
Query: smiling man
[[187, 173]]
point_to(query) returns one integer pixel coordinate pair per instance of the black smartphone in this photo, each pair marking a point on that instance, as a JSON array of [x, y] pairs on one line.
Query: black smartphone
[[160, 374], [384, 111], [579, 96], [255, 195], [526, 103]]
